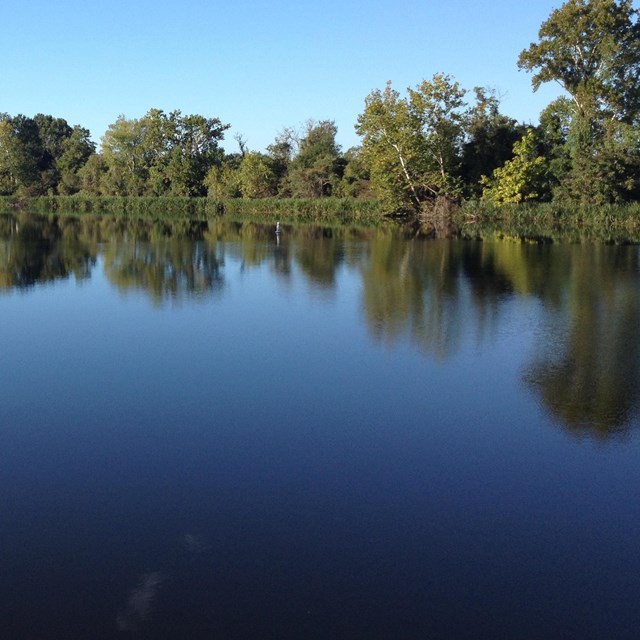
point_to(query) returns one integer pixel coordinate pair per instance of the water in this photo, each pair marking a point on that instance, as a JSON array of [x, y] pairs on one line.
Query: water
[[210, 432]]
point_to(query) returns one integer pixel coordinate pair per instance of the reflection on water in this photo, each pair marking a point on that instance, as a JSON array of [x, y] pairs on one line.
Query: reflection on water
[[336, 433], [34, 250], [587, 373], [140, 602], [194, 543], [165, 268], [587, 358]]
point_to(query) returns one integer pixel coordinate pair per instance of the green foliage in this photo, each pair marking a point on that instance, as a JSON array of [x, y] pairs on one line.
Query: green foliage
[[550, 222], [321, 210], [421, 152], [521, 179], [257, 177], [592, 49], [355, 181], [160, 154], [157, 206], [412, 145], [317, 167], [489, 140], [223, 181], [41, 155], [335, 210], [20, 155]]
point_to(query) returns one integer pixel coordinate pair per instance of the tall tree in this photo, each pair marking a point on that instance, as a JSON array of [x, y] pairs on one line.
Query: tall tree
[[413, 144], [592, 49], [256, 175], [318, 166], [76, 149], [20, 150], [161, 153], [489, 139], [122, 151]]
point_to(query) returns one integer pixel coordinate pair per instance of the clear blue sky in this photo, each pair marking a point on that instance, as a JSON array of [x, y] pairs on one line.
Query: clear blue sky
[[259, 66]]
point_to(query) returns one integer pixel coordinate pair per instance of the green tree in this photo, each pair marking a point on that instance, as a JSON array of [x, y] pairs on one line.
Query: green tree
[[413, 144], [592, 49], [356, 179], [552, 136], [161, 154], [489, 140], [223, 180], [440, 111], [76, 150], [256, 176], [318, 165], [20, 155], [281, 152], [92, 175], [520, 179], [123, 154]]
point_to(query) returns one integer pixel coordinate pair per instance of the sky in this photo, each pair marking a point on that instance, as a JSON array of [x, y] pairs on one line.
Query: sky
[[258, 66]]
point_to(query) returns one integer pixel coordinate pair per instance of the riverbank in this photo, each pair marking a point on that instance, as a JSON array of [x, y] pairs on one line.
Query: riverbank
[[550, 222], [310, 210], [537, 222]]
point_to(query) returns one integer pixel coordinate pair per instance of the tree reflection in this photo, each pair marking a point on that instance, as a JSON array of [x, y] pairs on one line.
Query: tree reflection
[[586, 371], [587, 363], [165, 268], [39, 250], [587, 376], [413, 289], [318, 255]]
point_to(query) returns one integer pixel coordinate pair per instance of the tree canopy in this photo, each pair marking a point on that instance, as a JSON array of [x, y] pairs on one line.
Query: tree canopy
[[434, 142]]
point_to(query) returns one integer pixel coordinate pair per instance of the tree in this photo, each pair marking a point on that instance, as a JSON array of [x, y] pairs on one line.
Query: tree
[[161, 153], [256, 176], [413, 144], [355, 180], [440, 110], [23, 160], [592, 49], [76, 150], [317, 167], [281, 152], [489, 140], [122, 151], [520, 179], [92, 174], [552, 136]]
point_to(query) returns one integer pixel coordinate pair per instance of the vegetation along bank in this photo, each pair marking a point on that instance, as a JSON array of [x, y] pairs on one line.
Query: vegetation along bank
[[437, 155]]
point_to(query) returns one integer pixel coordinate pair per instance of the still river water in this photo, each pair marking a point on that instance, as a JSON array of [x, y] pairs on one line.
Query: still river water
[[210, 432]]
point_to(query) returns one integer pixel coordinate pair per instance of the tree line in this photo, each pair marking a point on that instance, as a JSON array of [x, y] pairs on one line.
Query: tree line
[[435, 143]]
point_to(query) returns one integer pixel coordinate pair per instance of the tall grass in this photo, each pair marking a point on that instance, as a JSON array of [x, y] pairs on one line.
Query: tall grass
[[159, 207], [551, 222], [315, 210], [546, 222], [323, 210]]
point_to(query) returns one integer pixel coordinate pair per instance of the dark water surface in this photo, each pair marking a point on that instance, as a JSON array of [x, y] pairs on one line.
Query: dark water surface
[[210, 432]]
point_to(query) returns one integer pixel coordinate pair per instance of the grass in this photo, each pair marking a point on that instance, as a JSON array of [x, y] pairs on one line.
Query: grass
[[547, 222], [550, 222], [320, 211], [157, 207]]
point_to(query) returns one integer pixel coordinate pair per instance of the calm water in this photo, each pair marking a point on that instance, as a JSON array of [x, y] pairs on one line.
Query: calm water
[[209, 432]]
